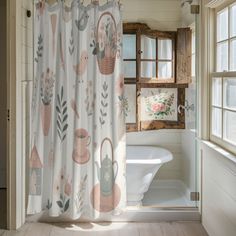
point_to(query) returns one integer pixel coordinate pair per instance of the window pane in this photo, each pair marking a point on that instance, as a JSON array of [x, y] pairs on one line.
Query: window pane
[[222, 57], [230, 93], [164, 49], [217, 92], [233, 20], [129, 46], [148, 47], [130, 69], [233, 55], [230, 126], [148, 69], [164, 70], [216, 121], [222, 25]]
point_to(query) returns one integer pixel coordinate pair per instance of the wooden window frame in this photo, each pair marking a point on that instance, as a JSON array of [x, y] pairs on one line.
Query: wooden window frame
[[158, 35], [139, 29], [221, 141]]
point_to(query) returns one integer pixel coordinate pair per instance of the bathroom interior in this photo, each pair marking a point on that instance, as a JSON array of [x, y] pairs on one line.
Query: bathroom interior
[[117, 117], [160, 101], [157, 64]]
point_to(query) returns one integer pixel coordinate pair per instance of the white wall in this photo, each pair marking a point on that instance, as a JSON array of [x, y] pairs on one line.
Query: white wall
[[218, 191], [3, 95], [169, 139], [158, 14]]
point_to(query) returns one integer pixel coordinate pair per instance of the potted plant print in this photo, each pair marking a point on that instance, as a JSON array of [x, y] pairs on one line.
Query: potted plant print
[[105, 45], [46, 92]]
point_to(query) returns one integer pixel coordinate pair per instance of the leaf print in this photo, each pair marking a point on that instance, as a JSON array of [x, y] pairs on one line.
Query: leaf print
[[46, 86], [79, 200], [49, 204], [71, 46], [39, 52], [67, 205], [62, 116], [124, 105], [104, 103], [60, 204]]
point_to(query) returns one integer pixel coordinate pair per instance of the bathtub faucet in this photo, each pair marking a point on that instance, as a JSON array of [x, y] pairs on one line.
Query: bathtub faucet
[[186, 107]]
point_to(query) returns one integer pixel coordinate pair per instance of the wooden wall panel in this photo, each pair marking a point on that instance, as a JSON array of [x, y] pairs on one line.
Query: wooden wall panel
[[184, 56]]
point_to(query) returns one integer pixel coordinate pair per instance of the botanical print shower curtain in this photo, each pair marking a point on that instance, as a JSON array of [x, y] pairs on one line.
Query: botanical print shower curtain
[[77, 160]]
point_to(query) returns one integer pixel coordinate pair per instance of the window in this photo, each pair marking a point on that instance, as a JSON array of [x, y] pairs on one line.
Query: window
[[157, 57], [153, 91], [223, 80]]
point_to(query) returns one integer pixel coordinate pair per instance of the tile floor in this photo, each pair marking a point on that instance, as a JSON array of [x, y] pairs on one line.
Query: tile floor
[[110, 229], [168, 197]]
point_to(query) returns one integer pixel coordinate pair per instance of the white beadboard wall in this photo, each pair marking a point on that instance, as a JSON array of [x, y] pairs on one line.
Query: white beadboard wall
[[169, 139], [3, 95], [158, 14], [218, 191]]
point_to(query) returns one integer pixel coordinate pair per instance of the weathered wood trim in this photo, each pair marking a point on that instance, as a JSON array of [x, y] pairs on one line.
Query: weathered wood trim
[[184, 56], [142, 29]]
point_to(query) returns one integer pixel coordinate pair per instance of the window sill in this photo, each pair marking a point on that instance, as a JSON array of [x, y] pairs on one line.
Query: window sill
[[226, 154]]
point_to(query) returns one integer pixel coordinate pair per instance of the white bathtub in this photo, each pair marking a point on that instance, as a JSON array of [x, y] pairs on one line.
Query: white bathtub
[[142, 163]]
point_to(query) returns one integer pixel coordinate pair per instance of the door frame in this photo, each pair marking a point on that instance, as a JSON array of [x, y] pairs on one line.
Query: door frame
[[15, 159]]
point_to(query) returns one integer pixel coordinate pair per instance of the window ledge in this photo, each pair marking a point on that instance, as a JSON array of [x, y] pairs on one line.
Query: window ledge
[[220, 151]]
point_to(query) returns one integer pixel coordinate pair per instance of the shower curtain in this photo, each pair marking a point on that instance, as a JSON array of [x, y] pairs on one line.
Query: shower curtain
[[77, 159]]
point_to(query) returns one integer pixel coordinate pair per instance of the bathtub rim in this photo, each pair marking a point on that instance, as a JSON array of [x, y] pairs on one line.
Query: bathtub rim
[[156, 160]]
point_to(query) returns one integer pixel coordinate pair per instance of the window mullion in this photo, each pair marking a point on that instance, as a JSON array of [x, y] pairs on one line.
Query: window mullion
[[222, 108], [229, 61]]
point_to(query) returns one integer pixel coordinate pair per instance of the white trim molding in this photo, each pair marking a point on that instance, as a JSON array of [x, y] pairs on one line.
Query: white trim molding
[[215, 3], [15, 174]]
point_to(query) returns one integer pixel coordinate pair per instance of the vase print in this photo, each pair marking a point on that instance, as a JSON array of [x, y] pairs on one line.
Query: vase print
[[46, 112], [46, 92], [106, 46], [81, 154], [53, 23]]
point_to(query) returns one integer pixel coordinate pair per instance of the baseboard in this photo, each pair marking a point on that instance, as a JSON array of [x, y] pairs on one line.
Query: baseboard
[[131, 214]]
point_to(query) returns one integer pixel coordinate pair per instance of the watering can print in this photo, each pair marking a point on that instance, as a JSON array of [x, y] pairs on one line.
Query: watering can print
[[108, 171]]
